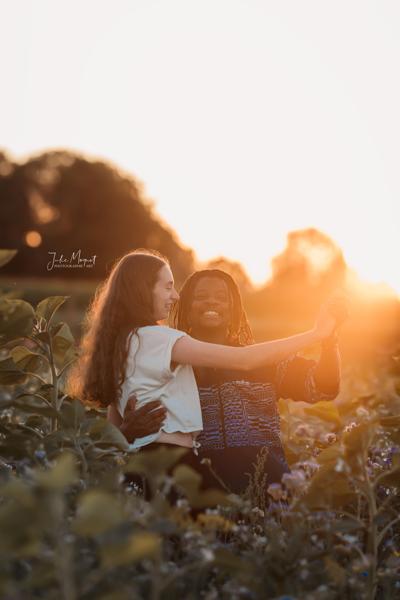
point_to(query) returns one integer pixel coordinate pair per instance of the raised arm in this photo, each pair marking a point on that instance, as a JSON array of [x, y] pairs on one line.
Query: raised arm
[[202, 354]]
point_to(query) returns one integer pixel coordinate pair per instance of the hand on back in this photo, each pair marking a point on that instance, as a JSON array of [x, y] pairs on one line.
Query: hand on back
[[143, 421]]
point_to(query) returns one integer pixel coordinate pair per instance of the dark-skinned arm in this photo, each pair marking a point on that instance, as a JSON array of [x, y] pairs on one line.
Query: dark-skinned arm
[[138, 423]]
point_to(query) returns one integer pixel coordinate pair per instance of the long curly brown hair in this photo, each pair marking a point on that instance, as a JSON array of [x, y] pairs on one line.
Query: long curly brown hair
[[239, 333], [121, 304]]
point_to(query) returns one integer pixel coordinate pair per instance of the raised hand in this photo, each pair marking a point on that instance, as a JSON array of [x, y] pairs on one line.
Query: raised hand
[[332, 314], [338, 306]]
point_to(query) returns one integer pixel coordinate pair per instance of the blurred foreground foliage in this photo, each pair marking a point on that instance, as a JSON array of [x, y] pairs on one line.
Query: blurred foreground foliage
[[72, 526]]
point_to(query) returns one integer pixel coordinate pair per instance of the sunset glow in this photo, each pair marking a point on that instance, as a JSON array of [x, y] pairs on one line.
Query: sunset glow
[[243, 121]]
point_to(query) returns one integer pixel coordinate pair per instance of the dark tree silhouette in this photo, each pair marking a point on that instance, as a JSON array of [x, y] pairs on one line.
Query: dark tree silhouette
[[77, 204]]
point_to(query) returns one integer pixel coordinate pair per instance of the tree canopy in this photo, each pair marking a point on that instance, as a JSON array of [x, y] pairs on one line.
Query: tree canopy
[[61, 202]]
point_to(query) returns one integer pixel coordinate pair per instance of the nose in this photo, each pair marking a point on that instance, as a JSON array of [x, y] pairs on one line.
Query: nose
[[175, 295], [213, 302]]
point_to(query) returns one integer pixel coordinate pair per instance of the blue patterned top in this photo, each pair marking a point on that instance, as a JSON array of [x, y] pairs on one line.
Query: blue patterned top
[[240, 410]]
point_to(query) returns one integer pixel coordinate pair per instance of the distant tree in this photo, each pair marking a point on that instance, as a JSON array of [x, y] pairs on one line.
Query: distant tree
[[311, 258], [77, 204], [309, 269]]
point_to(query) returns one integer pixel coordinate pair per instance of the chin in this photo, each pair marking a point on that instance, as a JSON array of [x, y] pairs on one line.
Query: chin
[[209, 325]]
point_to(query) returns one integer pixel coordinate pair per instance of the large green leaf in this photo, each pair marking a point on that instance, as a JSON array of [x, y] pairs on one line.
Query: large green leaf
[[16, 319], [47, 308], [33, 405], [105, 434], [356, 443], [63, 345], [27, 360], [10, 374]]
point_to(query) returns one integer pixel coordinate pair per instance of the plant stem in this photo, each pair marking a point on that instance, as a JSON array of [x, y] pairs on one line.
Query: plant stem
[[54, 391]]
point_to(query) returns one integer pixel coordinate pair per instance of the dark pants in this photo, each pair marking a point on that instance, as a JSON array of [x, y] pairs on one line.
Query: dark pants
[[234, 465]]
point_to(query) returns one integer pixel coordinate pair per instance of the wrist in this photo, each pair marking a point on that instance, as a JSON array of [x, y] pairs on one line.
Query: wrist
[[124, 429], [316, 335]]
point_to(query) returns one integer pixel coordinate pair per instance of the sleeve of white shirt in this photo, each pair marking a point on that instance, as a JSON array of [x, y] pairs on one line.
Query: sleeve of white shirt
[[167, 339], [155, 345]]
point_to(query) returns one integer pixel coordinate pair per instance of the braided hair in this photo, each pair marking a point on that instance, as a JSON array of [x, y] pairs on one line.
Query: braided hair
[[239, 332]]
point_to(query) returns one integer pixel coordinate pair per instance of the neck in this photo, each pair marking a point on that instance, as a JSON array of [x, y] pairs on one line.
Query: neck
[[213, 336]]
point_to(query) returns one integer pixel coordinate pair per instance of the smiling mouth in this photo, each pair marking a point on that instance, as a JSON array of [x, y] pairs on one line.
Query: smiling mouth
[[211, 313]]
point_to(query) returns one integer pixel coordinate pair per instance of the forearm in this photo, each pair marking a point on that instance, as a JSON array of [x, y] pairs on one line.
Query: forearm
[[327, 371], [268, 353], [203, 354], [113, 415]]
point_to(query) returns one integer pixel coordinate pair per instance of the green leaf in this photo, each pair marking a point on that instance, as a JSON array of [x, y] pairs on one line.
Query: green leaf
[[138, 546], [31, 404], [27, 360], [189, 481], [47, 308], [325, 410], [63, 345], [62, 475], [154, 463], [72, 413], [106, 434], [97, 512], [10, 374], [356, 443], [330, 454], [16, 319], [6, 256], [327, 488]]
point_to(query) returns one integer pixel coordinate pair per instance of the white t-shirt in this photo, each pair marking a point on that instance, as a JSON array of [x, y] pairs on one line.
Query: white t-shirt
[[149, 377]]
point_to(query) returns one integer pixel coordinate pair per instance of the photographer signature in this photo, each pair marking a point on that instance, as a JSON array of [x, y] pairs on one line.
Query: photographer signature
[[75, 261]]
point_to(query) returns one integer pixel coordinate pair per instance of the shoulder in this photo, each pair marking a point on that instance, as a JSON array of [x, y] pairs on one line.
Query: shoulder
[[159, 334]]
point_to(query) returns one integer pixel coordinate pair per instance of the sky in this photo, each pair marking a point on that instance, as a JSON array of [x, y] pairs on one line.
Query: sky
[[243, 119]]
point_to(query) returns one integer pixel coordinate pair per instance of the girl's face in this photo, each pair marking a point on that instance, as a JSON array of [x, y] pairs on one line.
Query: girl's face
[[210, 307], [164, 293]]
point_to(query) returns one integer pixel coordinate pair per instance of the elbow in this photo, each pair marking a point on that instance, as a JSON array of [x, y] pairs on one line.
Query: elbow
[[330, 393], [245, 361]]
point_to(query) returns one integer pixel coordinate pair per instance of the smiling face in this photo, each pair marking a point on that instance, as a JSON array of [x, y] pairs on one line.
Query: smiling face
[[210, 308], [164, 294]]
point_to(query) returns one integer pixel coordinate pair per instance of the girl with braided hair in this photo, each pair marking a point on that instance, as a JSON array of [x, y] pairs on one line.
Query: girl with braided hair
[[239, 409]]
